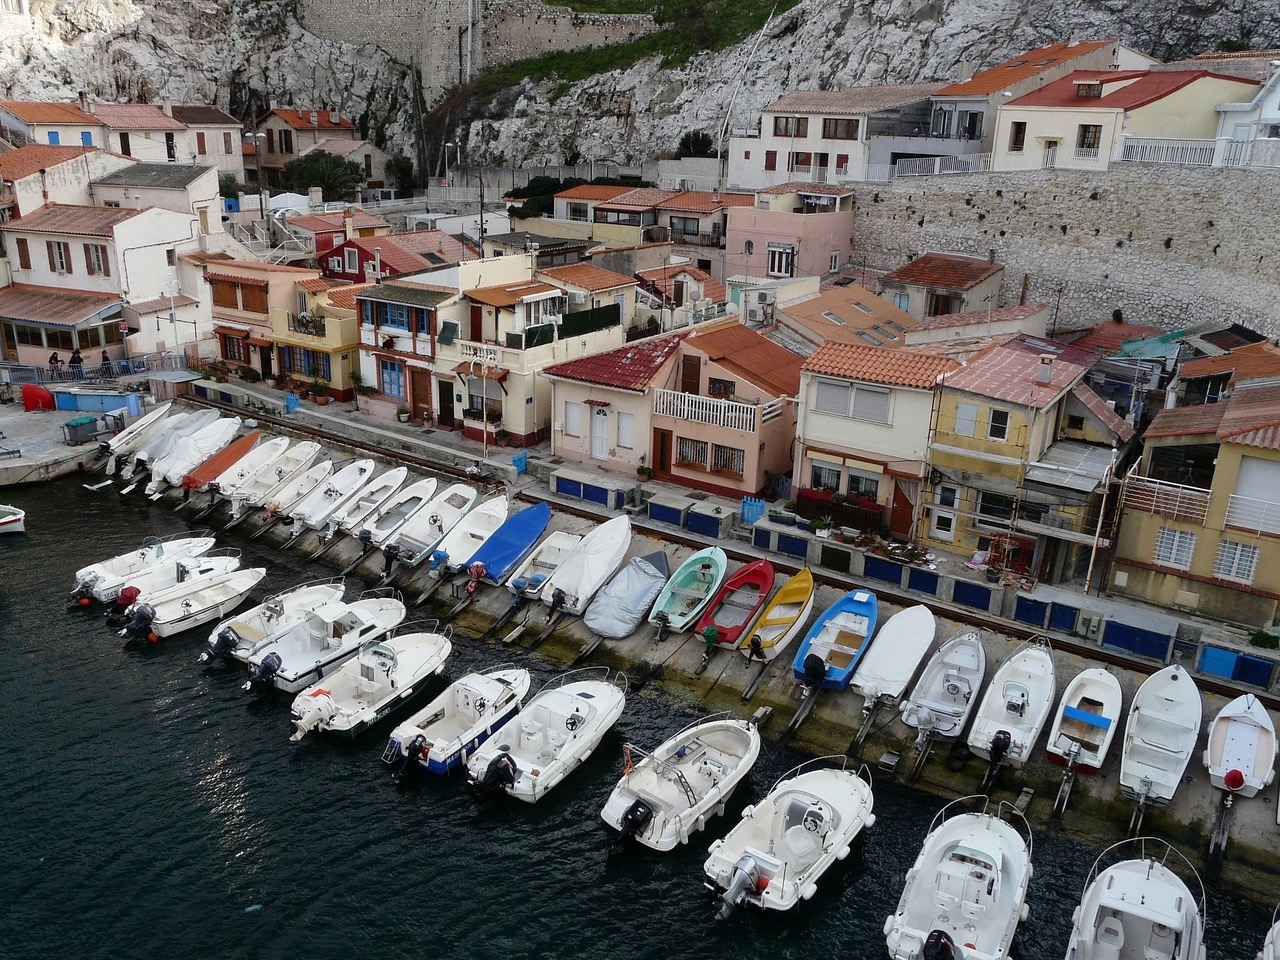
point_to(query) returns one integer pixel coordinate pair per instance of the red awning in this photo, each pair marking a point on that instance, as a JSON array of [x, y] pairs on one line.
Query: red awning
[[260, 342], [489, 373], [231, 332], [597, 403], [229, 278]]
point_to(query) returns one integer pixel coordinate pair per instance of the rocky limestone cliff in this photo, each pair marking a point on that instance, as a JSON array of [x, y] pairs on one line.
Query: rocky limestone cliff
[[241, 54]]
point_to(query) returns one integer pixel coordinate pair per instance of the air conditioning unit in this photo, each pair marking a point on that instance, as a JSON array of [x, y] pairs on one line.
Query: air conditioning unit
[[558, 427], [577, 296], [753, 314], [766, 296]]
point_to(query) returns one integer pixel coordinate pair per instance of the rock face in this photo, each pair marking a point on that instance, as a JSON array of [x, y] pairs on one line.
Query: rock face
[[241, 54]]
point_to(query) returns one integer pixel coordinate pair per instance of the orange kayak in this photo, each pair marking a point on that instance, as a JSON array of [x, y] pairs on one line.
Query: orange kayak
[[213, 468]]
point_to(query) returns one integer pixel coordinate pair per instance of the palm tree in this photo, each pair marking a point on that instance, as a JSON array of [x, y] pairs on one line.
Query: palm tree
[[336, 177]]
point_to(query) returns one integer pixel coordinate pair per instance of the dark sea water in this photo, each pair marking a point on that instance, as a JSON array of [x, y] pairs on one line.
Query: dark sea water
[[149, 808]]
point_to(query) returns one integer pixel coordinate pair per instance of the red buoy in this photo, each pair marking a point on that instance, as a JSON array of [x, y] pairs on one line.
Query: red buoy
[[1234, 780], [84, 601], [153, 637]]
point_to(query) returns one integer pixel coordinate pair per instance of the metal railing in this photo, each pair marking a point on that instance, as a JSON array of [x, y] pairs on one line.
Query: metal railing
[[938, 166], [1168, 499], [1195, 153], [1248, 513], [21, 373], [720, 413]]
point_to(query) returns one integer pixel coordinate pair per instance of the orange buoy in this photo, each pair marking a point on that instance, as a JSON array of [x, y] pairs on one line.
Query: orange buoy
[[153, 637], [84, 601]]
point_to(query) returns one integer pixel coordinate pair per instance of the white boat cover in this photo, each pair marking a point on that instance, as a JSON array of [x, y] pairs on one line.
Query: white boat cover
[[618, 609], [189, 452], [591, 563]]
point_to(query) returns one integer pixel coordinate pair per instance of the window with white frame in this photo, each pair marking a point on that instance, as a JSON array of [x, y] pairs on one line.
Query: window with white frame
[[781, 259], [59, 256], [728, 459], [579, 212], [626, 430], [864, 484], [966, 419], [95, 258], [1236, 561], [825, 476], [1174, 548], [835, 262], [691, 453], [353, 260], [871, 404], [832, 396], [572, 419], [998, 424]]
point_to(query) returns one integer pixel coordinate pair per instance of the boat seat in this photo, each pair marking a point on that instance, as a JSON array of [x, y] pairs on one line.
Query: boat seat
[[801, 847], [1015, 702], [530, 730], [556, 739], [1109, 939]]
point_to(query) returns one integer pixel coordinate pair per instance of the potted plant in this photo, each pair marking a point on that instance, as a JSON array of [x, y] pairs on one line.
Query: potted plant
[[501, 437], [319, 391], [402, 414], [994, 571], [249, 374]]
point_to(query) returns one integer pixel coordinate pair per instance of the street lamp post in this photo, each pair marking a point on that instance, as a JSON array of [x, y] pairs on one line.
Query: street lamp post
[[447, 181], [257, 137], [484, 407]]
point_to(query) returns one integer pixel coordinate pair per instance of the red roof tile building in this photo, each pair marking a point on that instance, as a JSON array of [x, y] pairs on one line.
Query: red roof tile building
[[288, 133], [941, 283]]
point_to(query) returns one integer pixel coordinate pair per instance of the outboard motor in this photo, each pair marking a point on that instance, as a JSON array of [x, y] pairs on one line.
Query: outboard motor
[[815, 670], [438, 557], [744, 879], [476, 572], [83, 590], [310, 711], [365, 536], [500, 774], [118, 615], [557, 601], [118, 463], [262, 677], [391, 553], [1000, 744], [756, 647], [634, 819], [938, 946], [140, 622], [414, 753], [221, 646], [663, 620]]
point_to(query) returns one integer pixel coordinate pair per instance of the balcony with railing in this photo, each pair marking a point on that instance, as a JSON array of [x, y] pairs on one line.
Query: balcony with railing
[[1175, 500], [1086, 153], [1193, 153], [937, 166], [731, 414], [1256, 516], [698, 239]]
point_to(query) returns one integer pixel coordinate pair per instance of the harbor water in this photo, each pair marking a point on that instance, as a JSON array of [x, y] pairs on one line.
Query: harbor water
[[150, 808]]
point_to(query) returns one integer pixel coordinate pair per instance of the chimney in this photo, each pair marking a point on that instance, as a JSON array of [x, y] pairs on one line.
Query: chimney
[[349, 222], [1045, 372], [964, 71], [377, 262], [167, 106], [85, 105], [315, 119]]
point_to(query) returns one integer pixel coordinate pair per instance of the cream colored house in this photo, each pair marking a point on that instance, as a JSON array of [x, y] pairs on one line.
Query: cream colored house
[[246, 294], [1093, 118], [319, 338], [865, 415]]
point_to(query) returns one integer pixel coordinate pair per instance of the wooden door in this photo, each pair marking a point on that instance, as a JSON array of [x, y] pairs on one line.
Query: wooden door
[[477, 323], [901, 512], [420, 393], [264, 360], [691, 375], [661, 451], [444, 410]]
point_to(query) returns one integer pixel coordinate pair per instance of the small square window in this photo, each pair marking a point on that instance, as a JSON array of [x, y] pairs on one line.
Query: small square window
[[998, 425]]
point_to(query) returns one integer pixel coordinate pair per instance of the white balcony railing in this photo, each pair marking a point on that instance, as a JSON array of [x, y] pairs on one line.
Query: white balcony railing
[[1174, 500], [719, 413], [1259, 516], [1086, 153], [937, 166], [1194, 153]]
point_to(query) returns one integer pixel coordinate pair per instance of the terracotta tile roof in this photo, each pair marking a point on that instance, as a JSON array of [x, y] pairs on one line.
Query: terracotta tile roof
[[962, 348], [588, 276], [1250, 416], [1146, 87], [203, 115], [161, 305], [510, 294], [329, 222], [395, 259], [1106, 337], [135, 116], [317, 284], [435, 246], [344, 297], [1008, 371], [35, 157], [1019, 311], [1243, 363], [1186, 421], [52, 306], [851, 315], [225, 331], [34, 111], [72, 219], [641, 198], [1021, 67], [632, 367], [798, 186], [949, 271], [205, 256], [755, 358], [1098, 407], [592, 191], [301, 119], [662, 280], [702, 201], [257, 266], [899, 368], [853, 100]]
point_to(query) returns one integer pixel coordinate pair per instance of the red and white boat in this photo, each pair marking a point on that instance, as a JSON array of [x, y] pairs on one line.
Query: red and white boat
[[734, 608]]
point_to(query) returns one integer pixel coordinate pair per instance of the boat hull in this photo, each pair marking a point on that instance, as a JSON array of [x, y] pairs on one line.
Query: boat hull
[[736, 605], [1160, 736], [840, 637], [12, 520], [686, 595]]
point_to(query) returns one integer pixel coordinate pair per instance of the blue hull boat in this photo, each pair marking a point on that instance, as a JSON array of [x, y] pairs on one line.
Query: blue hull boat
[[509, 544], [830, 651]]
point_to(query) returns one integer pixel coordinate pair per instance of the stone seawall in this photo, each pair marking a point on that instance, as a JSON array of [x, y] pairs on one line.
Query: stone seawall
[[1169, 246]]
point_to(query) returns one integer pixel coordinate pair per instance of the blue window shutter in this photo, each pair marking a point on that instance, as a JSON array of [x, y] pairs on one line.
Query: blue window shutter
[[86, 138], [53, 138]]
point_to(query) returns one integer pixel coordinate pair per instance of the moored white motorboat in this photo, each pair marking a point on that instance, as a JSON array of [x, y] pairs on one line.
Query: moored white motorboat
[[263, 457], [891, 662], [1241, 753], [160, 444], [445, 732], [256, 488], [133, 436], [528, 579], [396, 511], [311, 648], [620, 606], [312, 510], [104, 579], [175, 570], [235, 638], [189, 605], [286, 494], [945, 694], [666, 796], [586, 567], [383, 675], [1016, 706], [967, 891], [1271, 943], [367, 504], [190, 451], [1160, 736], [1086, 721], [558, 729], [469, 535], [418, 536], [776, 854], [1139, 908], [12, 519]]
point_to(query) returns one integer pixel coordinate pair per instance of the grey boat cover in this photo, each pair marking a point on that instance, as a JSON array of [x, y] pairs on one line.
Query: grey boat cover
[[625, 600]]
